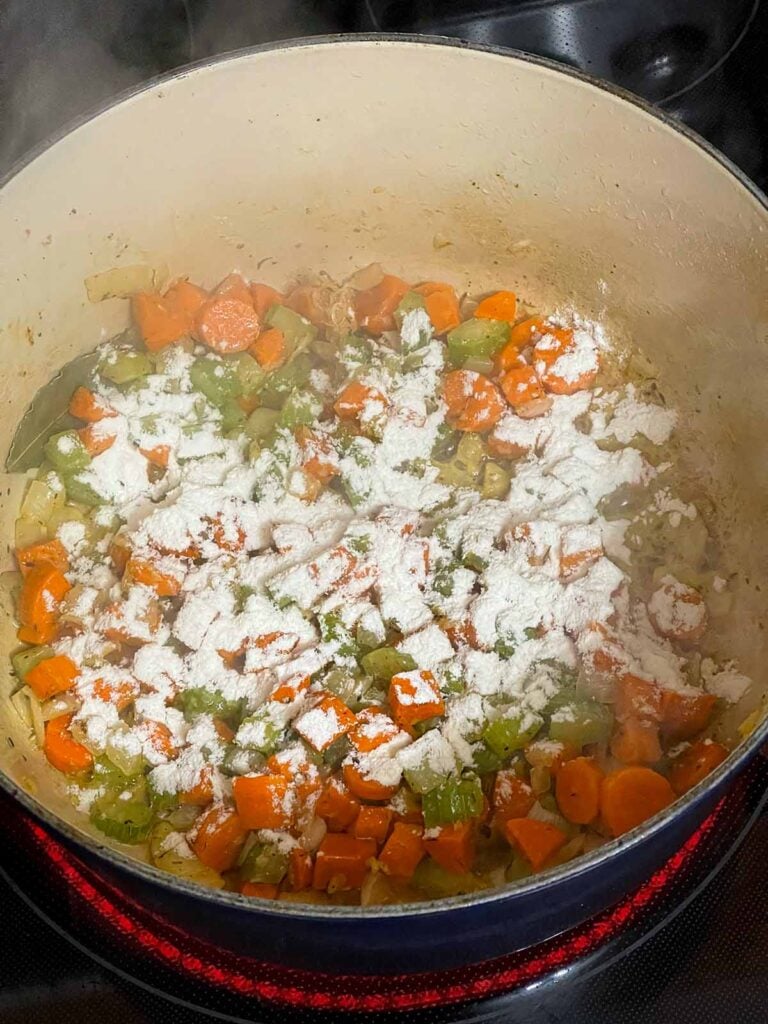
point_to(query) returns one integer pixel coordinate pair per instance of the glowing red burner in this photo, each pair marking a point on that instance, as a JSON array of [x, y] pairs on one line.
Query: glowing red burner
[[319, 991]]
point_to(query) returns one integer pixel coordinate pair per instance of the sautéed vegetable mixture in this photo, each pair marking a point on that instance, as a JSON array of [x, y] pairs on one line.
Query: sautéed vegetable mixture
[[366, 593]]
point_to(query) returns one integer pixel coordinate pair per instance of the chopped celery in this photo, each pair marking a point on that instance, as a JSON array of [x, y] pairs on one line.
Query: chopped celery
[[453, 800], [484, 759], [301, 408], [484, 366], [476, 339], [513, 732], [81, 492], [128, 762], [261, 423], [581, 722], [249, 374], [473, 561], [496, 481], [436, 883], [424, 778], [41, 499], [239, 761], [336, 753], [446, 443], [25, 660], [217, 379], [125, 365], [263, 734], [332, 629], [264, 862], [297, 331], [465, 467], [174, 858], [505, 647], [198, 701], [343, 684], [356, 351], [280, 383], [67, 452], [409, 302], [127, 821], [386, 662], [518, 869], [232, 416]]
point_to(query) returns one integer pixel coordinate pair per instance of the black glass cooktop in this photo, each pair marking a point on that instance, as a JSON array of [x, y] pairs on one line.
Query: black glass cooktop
[[700, 955]]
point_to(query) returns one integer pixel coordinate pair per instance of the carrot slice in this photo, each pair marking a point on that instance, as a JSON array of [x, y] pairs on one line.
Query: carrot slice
[[375, 307], [373, 823], [636, 741], [694, 764], [51, 676], [120, 693], [474, 403], [234, 286], [300, 869], [325, 723], [158, 455], [527, 332], [44, 587], [512, 796], [629, 796], [62, 750], [218, 838], [507, 359], [306, 300], [269, 349], [263, 296], [442, 305], [577, 789], [160, 323], [536, 840], [201, 794], [521, 386], [140, 570], [372, 728], [403, 850], [414, 697], [161, 738], [364, 788], [47, 552], [336, 806], [85, 405], [499, 306], [260, 801], [95, 441], [354, 398], [453, 847], [683, 715], [637, 698], [226, 325], [185, 299], [341, 861]]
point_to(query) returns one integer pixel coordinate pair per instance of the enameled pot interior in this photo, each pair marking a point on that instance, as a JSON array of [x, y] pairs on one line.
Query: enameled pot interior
[[482, 168]]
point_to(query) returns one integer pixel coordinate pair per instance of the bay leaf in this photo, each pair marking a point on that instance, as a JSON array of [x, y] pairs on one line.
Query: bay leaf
[[48, 413]]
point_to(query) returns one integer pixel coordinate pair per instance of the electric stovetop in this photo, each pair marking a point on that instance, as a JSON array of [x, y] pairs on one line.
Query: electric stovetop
[[689, 946]]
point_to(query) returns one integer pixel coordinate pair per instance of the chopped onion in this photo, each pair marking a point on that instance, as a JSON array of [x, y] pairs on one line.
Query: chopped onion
[[313, 834], [29, 531], [37, 717], [122, 282], [541, 779], [62, 704], [367, 277], [20, 702], [539, 813]]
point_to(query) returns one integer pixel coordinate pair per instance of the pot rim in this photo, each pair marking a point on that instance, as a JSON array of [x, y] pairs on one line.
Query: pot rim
[[572, 869]]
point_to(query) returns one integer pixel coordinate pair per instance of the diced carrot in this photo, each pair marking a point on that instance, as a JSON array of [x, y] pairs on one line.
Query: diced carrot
[[373, 823], [637, 698], [263, 296], [336, 806], [499, 306], [234, 286], [123, 632], [694, 764], [536, 840], [47, 552], [453, 847], [120, 553], [94, 440], [317, 449], [636, 741], [473, 400], [553, 343], [186, 299], [158, 455], [269, 349], [442, 305], [365, 788], [62, 751], [512, 796], [218, 838], [678, 611], [161, 738], [375, 307], [307, 301], [300, 869], [287, 691], [325, 723], [201, 794], [354, 399], [577, 789], [226, 325], [527, 332], [521, 386], [414, 697], [372, 728], [341, 861], [629, 796], [121, 693], [260, 890], [556, 343], [683, 715], [85, 405], [140, 570], [160, 323], [223, 731], [403, 851], [507, 358], [260, 801], [51, 676], [44, 587]]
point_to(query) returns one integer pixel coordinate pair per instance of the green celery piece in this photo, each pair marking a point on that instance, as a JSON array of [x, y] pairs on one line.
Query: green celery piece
[[300, 409], [484, 759], [127, 821], [165, 801], [261, 423], [454, 800], [239, 761], [505, 647], [423, 778], [217, 379], [506, 735], [297, 331], [272, 735], [81, 492], [336, 753], [495, 481], [281, 382], [232, 416], [476, 339], [385, 662], [409, 302], [580, 723], [67, 452], [343, 684], [128, 365], [333, 629], [249, 374], [198, 701], [264, 863], [24, 661]]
